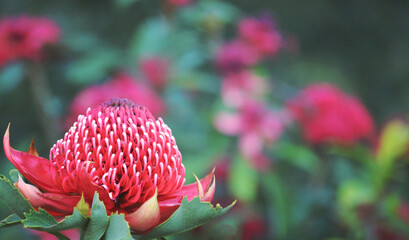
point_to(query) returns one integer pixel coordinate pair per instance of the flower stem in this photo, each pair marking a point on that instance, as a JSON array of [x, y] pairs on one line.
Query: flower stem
[[41, 96]]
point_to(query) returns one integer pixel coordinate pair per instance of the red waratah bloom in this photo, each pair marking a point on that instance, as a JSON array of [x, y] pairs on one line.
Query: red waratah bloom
[[255, 125], [237, 87], [24, 37], [156, 70], [261, 34], [326, 114], [235, 56], [120, 151], [123, 86]]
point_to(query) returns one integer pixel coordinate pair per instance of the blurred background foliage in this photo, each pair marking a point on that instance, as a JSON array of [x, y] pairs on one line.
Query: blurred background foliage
[[311, 192]]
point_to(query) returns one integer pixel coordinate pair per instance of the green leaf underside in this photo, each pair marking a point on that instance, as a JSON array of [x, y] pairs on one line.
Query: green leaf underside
[[11, 220], [13, 198], [98, 223], [188, 216], [118, 228]]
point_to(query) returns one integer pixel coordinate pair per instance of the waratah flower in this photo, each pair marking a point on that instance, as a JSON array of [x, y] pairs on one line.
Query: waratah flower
[[156, 70], [24, 37], [122, 85], [326, 114], [255, 125], [237, 87], [235, 56], [261, 34], [119, 150]]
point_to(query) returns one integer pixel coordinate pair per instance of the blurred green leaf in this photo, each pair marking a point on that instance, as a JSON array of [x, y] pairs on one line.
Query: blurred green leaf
[[125, 3], [243, 180], [13, 198], [93, 67], [394, 141], [98, 223], [10, 76], [299, 156], [188, 216], [118, 228]]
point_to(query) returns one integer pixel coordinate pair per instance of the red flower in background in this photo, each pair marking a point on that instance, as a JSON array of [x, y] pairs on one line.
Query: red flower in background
[[123, 86], [120, 151], [261, 34], [326, 114], [180, 3], [71, 234], [235, 56], [255, 125], [24, 37], [237, 87], [156, 70]]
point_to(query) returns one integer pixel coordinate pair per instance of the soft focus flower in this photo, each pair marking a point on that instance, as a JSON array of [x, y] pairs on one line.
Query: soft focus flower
[[24, 37], [179, 3], [71, 234], [255, 125], [237, 87], [123, 86], [119, 150], [326, 114], [261, 34], [254, 228], [235, 56], [156, 70]]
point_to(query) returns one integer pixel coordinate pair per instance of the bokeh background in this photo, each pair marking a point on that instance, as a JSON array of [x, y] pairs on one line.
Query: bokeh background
[[305, 189]]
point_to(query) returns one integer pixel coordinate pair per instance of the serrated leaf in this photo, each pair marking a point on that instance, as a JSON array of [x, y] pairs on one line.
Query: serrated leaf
[[243, 180], [13, 198], [98, 222], [118, 228], [74, 221], [38, 220], [188, 216], [10, 220]]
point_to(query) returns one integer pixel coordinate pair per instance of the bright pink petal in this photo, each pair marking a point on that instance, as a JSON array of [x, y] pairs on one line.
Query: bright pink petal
[[36, 169], [55, 204], [228, 123]]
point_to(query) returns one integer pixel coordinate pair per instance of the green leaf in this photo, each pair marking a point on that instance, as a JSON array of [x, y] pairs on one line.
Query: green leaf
[[39, 220], [10, 76], [11, 220], [74, 221], [98, 223], [299, 156], [14, 174], [188, 216], [243, 181], [118, 228], [13, 198], [393, 142]]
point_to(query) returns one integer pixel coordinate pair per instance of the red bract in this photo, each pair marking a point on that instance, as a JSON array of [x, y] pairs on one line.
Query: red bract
[[156, 70], [235, 55], [123, 86], [255, 125], [261, 34], [24, 37], [239, 86], [120, 151], [326, 114]]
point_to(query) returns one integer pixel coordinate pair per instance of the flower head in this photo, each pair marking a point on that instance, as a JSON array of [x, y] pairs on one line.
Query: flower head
[[326, 114], [119, 150], [156, 70], [261, 34], [24, 37], [235, 56], [122, 85]]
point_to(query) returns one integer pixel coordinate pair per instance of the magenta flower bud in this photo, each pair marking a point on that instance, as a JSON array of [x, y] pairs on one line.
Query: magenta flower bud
[[120, 151]]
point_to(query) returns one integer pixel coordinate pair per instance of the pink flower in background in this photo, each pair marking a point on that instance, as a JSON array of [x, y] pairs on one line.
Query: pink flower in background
[[24, 37], [155, 70], [122, 85], [255, 125], [237, 87], [235, 56], [71, 234], [326, 114], [180, 3], [254, 228], [120, 150], [261, 34]]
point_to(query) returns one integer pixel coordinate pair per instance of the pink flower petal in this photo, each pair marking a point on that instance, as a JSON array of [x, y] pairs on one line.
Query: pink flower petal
[[147, 215]]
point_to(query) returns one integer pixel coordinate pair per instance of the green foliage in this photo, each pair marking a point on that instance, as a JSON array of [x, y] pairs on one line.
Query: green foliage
[[13, 198], [188, 216], [243, 181], [98, 223], [118, 228], [11, 76]]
